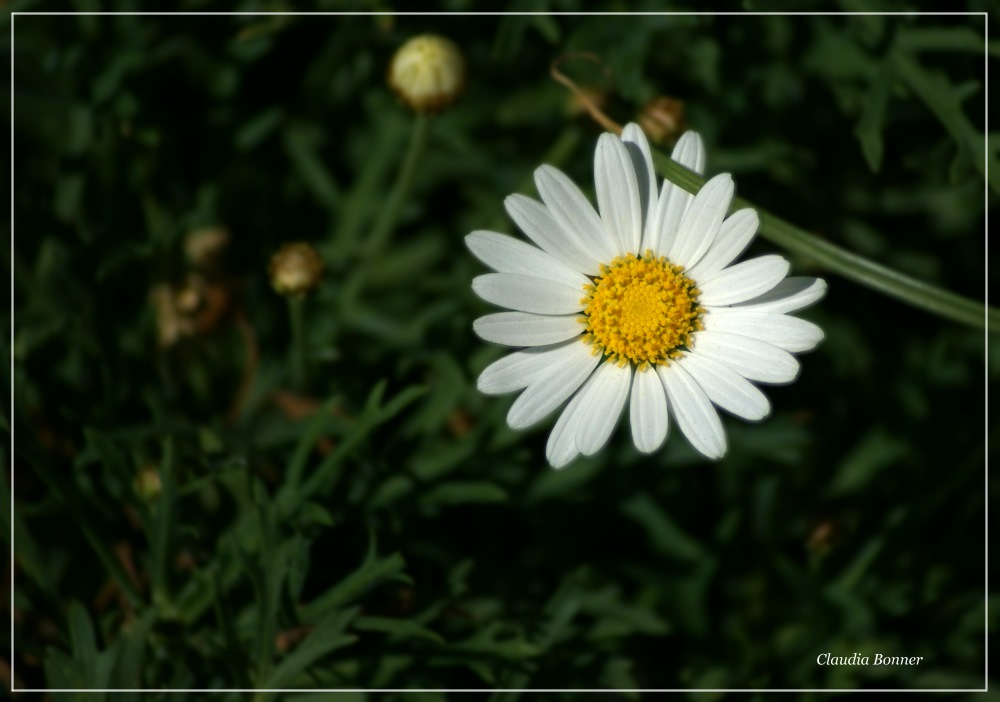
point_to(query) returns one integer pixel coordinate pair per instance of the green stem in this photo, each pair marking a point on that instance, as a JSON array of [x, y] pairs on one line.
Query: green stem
[[386, 221], [848, 264], [296, 313], [162, 527]]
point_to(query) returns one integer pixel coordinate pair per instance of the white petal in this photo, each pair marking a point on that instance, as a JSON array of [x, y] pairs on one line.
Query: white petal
[[753, 359], [735, 234], [788, 333], [561, 448], [618, 194], [725, 387], [549, 390], [744, 281], [573, 211], [648, 411], [604, 398], [521, 368], [673, 203], [702, 221], [506, 254], [523, 329], [689, 151], [538, 224], [662, 227], [789, 295], [696, 417], [564, 441], [642, 160], [527, 294]]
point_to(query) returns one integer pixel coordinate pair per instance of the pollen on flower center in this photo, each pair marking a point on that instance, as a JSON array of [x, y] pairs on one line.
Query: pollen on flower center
[[641, 310]]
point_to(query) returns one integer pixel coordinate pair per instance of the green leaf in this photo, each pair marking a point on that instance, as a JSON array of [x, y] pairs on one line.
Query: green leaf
[[494, 639], [83, 641], [162, 523], [467, 492], [258, 128], [129, 650], [63, 672], [326, 637], [617, 674], [876, 452], [557, 614], [945, 102], [946, 39], [79, 511], [848, 264], [28, 555], [853, 574], [664, 535], [372, 572], [397, 628], [318, 425], [869, 129], [358, 204], [373, 415], [551, 484], [302, 145]]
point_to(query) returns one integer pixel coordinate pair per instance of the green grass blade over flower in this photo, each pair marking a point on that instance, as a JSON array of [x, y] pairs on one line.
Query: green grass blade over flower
[[839, 260]]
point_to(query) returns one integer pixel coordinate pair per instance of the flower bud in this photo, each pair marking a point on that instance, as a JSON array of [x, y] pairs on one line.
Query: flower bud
[[205, 247], [427, 73], [188, 309], [148, 483], [662, 119], [296, 269]]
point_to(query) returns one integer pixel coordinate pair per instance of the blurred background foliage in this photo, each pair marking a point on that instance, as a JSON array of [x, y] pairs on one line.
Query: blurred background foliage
[[185, 517]]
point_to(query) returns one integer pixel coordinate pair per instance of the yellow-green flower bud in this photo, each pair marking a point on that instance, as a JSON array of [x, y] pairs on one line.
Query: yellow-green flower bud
[[296, 269], [427, 73], [148, 483]]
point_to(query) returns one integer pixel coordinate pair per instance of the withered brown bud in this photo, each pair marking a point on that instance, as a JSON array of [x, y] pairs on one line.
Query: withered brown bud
[[662, 119]]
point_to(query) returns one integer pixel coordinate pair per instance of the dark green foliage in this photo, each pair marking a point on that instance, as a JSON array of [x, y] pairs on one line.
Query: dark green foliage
[[182, 520]]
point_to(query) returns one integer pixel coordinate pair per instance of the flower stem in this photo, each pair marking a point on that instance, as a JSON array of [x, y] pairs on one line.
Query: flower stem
[[883, 279], [296, 312], [386, 221]]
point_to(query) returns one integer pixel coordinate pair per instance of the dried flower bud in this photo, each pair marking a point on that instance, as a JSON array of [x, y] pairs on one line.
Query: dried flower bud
[[296, 269], [189, 309], [205, 247], [171, 324], [427, 73], [662, 119]]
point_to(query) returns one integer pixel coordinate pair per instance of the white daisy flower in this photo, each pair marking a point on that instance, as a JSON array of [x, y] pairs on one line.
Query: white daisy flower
[[640, 305]]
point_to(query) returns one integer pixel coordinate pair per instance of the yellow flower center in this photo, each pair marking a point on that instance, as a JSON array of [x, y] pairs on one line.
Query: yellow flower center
[[641, 310]]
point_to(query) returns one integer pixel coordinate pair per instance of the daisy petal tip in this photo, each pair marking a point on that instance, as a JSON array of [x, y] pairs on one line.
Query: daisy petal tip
[[562, 457], [723, 180], [561, 463], [606, 140], [517, 421], [648, 450], [715, 452], [821, 287], [688, 139]]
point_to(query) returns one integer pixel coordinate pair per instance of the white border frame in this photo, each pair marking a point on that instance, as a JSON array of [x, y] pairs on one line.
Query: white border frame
[[985, 688]]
